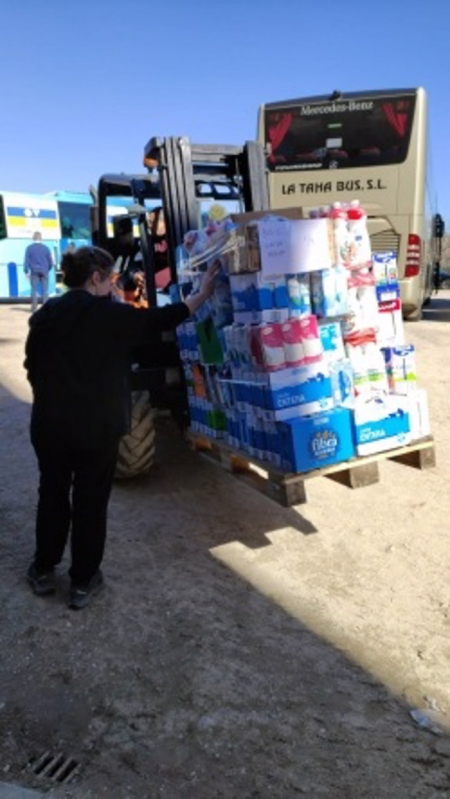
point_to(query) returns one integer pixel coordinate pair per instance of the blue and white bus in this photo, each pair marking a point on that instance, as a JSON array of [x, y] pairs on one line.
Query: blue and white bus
[[62, 218]]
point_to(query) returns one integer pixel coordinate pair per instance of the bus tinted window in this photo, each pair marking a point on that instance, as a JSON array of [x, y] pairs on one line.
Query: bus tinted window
[[75, 220], [337, 134]]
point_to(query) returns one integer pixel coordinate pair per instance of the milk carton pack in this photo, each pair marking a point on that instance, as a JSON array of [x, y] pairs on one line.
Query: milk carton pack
[[355, 350], [384, 267], [317, 441], [401, 368], [329, 292], [249, 292], [390, 331], [256, 444], [360, 254], [280, 292], [298, 292], [332, 341], [271, 442], [376, 368], [362, 303], [342, 385], [381, 423], [418, 414], [296, 392]]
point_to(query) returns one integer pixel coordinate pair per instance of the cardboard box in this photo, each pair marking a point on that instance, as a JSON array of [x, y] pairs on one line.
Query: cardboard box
[[317, 441], [294, 212], [243, 253], [299, 391], [300, 245], [381, 424]]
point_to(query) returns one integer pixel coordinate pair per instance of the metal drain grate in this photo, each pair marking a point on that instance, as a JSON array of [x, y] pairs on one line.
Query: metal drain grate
[[57, 768]]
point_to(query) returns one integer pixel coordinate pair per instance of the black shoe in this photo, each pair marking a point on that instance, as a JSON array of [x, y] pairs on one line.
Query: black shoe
[[81, 595], [42, 583]]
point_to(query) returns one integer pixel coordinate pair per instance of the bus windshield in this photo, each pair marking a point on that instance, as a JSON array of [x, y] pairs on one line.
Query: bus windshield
[[339, 134]]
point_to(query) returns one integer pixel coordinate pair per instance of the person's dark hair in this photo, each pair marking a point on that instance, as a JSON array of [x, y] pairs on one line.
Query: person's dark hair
[[78, 266]]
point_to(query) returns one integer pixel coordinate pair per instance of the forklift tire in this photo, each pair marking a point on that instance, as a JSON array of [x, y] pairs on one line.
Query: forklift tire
[[137, 448]]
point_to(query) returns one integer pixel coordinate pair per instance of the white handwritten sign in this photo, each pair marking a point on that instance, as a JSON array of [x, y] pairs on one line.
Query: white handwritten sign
[[310, 241], [274, 241], [294, 246]]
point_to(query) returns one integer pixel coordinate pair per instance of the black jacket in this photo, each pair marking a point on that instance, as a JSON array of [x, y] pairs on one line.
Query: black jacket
[[78, 361]]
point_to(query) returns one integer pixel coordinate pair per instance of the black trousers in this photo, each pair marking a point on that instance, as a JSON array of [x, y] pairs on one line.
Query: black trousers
[[74, 489]]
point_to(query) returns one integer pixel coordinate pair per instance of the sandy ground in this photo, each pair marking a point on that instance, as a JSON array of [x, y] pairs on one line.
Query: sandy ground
[[239, 649]]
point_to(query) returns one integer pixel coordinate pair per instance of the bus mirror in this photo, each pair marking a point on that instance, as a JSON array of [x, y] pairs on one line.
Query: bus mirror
[[439, 226]]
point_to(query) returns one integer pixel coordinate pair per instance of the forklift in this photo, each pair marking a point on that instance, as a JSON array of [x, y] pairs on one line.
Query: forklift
[[180, 176]]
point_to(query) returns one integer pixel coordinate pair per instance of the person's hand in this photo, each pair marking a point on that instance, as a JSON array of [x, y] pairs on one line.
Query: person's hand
[[195, 301], [209, 280]]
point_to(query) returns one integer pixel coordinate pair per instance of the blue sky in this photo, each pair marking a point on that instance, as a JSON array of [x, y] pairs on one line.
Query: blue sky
[[88, 82]]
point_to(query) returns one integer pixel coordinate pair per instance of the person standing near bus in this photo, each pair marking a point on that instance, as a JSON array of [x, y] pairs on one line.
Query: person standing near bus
[[38, 263], [77, 362]]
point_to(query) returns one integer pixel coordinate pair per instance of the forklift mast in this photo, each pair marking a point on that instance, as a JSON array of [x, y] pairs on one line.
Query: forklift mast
[[192, 172], [180, 176]]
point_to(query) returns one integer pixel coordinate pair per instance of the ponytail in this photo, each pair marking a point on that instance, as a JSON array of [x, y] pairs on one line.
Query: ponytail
[[78, 266]]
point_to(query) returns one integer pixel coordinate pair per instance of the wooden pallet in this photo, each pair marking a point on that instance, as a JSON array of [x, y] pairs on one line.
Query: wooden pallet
[[290, 489]]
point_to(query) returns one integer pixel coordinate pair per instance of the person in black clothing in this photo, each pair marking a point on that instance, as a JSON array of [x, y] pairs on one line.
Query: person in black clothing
[[77, 361]]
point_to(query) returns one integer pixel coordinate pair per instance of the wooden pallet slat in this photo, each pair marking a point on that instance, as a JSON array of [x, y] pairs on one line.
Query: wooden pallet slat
[[423, 456], [290, 489], [357, 475]]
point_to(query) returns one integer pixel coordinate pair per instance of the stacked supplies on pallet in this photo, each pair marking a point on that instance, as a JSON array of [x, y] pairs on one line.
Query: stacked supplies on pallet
[[299, 357], [200, 339]]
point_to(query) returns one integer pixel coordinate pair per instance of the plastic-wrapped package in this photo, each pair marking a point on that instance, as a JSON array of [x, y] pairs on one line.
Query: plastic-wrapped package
[[359, 242]]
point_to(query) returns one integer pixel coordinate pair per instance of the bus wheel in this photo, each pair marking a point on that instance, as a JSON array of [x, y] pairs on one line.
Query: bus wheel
[[137, 448], [416, 316]]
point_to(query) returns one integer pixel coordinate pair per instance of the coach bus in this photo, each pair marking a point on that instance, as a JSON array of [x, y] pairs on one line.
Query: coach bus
[[370, 146], [62, 219]]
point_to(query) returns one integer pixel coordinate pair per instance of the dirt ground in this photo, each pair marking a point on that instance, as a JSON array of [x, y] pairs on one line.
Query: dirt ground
[[239, 649]]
